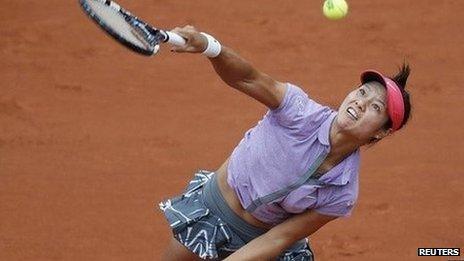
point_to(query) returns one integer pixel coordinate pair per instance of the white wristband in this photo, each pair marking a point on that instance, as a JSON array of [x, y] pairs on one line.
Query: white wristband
[[214, 47]]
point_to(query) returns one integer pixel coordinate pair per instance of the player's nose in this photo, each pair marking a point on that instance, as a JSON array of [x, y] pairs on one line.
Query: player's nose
[[361, 104]]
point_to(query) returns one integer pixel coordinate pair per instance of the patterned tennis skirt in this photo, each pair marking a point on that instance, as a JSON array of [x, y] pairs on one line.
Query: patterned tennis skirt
[[202, 221]]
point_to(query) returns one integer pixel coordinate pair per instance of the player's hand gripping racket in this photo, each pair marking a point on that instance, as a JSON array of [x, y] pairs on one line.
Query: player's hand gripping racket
[[127, 29]]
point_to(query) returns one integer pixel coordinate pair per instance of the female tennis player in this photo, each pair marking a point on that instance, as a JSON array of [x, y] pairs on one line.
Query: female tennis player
[[291, 174]]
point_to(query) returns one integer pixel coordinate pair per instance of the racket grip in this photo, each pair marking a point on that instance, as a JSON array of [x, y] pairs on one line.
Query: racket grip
[[175, 39]]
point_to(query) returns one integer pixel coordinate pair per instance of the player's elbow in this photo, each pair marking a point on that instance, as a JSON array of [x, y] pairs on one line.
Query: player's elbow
[[275, 245], [282, 240]]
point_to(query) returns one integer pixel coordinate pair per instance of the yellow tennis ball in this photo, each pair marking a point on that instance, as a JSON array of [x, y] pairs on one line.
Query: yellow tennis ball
[[335, 9]]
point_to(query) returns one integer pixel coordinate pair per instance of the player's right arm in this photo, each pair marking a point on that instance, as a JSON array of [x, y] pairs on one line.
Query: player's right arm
[[236, 71], [271, 244]]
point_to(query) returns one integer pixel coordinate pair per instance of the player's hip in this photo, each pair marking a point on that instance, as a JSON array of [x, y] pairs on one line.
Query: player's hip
[[202, 221]]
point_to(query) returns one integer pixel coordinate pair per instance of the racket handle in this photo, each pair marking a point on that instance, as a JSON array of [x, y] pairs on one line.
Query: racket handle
[[175, 39]]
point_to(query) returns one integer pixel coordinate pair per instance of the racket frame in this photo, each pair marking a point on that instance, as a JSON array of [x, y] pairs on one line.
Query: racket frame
[[157, 36]]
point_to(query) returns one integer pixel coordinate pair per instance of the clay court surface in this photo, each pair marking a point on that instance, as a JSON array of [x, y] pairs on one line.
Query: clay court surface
[[93, 136]]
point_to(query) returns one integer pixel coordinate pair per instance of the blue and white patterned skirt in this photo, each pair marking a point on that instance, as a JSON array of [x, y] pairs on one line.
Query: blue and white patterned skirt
[[202, 221]]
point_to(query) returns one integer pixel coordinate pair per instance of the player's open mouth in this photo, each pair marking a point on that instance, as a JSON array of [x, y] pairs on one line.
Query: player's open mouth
[[352, 113]]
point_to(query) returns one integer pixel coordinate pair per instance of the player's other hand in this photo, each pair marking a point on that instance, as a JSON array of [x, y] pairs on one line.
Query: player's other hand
[[195, 42]]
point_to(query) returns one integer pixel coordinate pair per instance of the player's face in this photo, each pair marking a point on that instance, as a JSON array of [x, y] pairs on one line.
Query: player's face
[[363, 113]]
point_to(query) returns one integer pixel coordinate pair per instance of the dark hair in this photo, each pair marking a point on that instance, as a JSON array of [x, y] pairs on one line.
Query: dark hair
[[400, 79]]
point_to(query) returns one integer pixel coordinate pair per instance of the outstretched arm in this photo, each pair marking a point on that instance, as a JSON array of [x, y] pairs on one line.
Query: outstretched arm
[[281, 237], [235, 71]]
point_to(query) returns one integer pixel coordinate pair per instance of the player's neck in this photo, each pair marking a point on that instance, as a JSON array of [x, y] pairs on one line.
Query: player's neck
[[341, 143]]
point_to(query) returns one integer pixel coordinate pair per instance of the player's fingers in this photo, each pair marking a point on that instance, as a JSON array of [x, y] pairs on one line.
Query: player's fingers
[[183, 50], [188, 30], [177, 30], [194, 41], [181, 32], [184, 35], [180, 49], [190, 27], [187, 48]]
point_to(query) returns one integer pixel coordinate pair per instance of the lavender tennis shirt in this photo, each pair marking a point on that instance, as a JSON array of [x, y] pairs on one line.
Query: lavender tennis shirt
[[280, 149]]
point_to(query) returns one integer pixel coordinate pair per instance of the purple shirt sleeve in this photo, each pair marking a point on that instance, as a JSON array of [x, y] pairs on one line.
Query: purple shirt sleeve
[[332, 201], [298, 112], [338, 200], [340, 207]]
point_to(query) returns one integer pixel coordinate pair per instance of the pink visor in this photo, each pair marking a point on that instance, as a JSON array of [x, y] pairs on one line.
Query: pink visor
[[395, 103]]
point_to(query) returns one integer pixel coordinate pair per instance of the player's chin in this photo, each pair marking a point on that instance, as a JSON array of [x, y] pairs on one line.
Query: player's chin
[[354, 129], [346, 123]]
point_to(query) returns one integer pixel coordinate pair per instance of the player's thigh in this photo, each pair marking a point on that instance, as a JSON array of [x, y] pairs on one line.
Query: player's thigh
[[176, 251]]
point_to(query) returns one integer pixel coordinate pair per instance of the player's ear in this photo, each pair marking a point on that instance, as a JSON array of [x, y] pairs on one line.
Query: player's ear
[[382, 133]]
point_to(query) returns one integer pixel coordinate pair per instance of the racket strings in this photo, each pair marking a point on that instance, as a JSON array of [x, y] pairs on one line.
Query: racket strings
[[146, 33], [120, 24]]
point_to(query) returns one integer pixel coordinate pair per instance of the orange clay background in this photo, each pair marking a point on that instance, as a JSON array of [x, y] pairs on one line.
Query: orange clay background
[[93, 136]]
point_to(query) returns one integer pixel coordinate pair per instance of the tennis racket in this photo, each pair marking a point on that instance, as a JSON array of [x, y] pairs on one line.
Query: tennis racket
[[127, 29]]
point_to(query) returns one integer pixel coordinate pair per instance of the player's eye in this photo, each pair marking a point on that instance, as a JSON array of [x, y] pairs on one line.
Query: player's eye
[[362, 92], [376, 107]]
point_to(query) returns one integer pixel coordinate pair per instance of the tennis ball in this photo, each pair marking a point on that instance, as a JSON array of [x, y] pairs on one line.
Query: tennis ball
[[335, 9]]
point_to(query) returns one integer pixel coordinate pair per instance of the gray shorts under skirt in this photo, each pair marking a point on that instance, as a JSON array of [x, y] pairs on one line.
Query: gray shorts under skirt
[[202, 221]]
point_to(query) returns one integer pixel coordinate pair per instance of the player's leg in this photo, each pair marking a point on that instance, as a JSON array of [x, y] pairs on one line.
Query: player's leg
[[176, 251]]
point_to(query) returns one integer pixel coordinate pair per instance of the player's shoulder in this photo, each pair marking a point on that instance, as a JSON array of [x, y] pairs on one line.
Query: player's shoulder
[[294, 95], [292, 88], [302, 93], [298, 111]]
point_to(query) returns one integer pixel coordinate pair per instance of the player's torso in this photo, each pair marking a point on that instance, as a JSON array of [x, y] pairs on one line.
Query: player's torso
[[234, 202], [232, 199]]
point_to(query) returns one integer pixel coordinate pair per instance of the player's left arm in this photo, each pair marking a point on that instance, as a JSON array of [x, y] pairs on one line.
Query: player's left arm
[[234, 70], [279, 238]]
